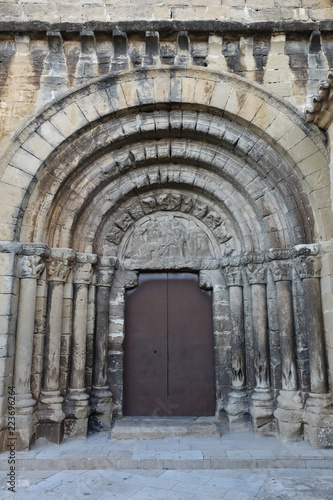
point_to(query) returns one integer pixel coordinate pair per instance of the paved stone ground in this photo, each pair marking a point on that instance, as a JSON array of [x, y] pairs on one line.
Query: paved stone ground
[[175, 468]]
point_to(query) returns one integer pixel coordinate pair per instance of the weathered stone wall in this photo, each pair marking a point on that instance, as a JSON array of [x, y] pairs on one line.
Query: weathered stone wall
[[144, 112], [37, 68], [115, 10]]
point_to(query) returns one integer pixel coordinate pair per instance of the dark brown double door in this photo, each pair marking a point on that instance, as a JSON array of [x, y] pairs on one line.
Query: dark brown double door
[[168, 358]]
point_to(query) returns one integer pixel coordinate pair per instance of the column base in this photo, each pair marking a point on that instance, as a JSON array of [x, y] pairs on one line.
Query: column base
[[101, 409], [51, 417], [25, 423], [318, 427], [290, 415], [262, 412], [77, 412], [238, 410]]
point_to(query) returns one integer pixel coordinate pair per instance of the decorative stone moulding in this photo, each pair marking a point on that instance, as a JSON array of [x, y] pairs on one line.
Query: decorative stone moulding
[[320, 107]]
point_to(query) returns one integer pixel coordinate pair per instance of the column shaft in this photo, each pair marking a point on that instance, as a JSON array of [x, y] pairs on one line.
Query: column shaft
[[24, 337], [314, 324], [102, 330], [260, 332], [77, 377], [53, 337], [287, 340]]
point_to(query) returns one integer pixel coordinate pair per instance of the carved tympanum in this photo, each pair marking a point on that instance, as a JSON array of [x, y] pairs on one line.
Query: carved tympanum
[[167, 238]]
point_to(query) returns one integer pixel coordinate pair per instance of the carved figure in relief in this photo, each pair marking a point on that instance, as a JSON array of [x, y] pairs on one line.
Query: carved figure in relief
[[167, 237]]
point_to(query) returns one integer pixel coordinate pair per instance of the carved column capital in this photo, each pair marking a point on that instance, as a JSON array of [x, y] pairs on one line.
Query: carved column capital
[[83, 271], [32, 260], [257, 273], [106, 270], [205, 280], [233, 276], [60, 264], [282, 270], [308, 266]]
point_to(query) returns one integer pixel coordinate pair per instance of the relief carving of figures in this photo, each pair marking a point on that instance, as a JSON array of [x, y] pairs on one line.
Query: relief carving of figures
[[308, 267], [165, 238], [124, 221], [169, 201], [233, 276], [58, 270], [281, 270], [83, 273], [114, 235], [31, 266]]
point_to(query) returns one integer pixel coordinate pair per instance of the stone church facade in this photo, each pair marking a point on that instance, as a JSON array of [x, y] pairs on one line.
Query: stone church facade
[[166, 138]]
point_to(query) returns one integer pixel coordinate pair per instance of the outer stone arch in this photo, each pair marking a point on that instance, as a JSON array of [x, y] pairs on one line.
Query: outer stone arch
[[68, 172]]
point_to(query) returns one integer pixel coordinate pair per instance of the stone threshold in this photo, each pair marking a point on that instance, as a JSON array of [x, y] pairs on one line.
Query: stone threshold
[[164, 427], [92, 463]]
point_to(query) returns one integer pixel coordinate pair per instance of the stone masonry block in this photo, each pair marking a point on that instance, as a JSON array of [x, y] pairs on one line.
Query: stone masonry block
[[50, 134], [62, 123], [26, 161], [278, 127], [16, 177], [37, 146], [130, 93], [220, 95], [203, 91], [302, 150]]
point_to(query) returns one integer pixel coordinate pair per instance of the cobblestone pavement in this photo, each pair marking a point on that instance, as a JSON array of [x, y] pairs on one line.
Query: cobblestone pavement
[[234, 467]]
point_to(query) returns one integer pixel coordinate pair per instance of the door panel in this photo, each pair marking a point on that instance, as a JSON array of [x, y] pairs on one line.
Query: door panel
[[145, 354], [190, 347], [168, 359]]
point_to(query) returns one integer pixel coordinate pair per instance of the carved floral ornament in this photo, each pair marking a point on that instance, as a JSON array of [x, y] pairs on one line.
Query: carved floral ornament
[[172, 202]]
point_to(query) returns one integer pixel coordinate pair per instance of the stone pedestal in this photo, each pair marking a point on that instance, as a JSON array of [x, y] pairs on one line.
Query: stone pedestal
[[318, 428], [262, 411], [31, 265], [50, 407], [238, 410], [290, 415], [77, 402]]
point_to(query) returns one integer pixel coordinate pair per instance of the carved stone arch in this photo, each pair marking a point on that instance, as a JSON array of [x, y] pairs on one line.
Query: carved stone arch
[[242, 154]]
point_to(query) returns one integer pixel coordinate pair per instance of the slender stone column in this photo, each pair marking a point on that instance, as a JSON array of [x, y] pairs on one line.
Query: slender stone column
[[31, 265], [77, 404], [50, 413], [290, 412], [262, 396], [319, 405], [101, 397], [238, 403]]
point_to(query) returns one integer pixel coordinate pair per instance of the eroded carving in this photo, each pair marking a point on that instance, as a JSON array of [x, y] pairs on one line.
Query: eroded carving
[[166, 239], [308, 267], [114, 235], [281, 270], [31, 266], [256, 273], [233, 276], [58, 270]]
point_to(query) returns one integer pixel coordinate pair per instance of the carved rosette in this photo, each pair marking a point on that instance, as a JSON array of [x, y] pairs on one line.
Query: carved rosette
[[83, 271], [60, 264], [308, 266], [32, 260], [106, 270]]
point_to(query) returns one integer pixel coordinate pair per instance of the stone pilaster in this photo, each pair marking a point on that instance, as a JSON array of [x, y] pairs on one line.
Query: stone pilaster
[[238, 404], [31, 264], [101, 397], [319, 406], [50, 415], [262, 396], [77, 403], [290, 411]]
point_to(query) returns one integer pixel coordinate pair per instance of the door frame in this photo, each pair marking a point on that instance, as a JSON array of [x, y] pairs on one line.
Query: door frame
[[208, 280]]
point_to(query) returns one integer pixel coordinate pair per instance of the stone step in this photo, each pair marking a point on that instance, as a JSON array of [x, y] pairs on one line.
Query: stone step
[[164, 427]]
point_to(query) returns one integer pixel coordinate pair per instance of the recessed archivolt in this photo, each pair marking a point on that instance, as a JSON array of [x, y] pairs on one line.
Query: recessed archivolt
[[235, 157], [119, 110]]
